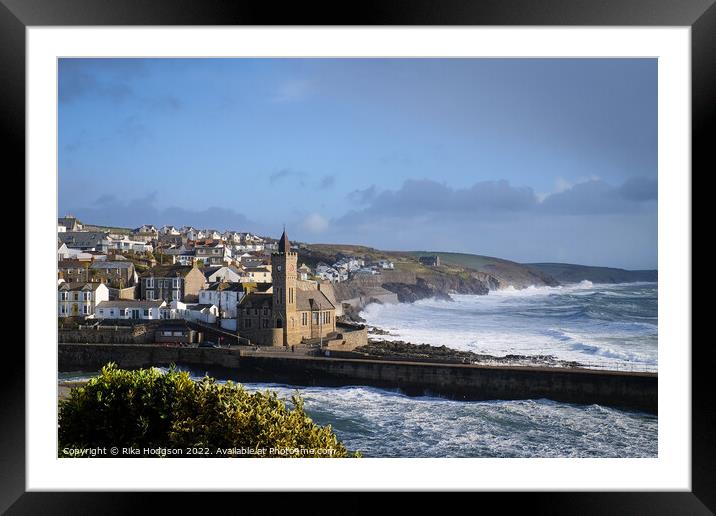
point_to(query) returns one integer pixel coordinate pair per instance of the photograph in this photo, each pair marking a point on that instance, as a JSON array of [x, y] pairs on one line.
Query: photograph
[[357, 257]]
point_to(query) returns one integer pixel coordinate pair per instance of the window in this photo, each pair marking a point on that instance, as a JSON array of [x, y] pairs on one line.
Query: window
[[314, 318], [86, 310], [177, 282], [62, 309], [146, 312], [304, 318], [150, 295], [150, 282], [101, 312], [247, 323], [256, 311], [265, 323], [265, 311]]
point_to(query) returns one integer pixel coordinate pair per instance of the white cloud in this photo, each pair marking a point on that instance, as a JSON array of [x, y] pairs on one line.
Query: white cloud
[[315, 223]]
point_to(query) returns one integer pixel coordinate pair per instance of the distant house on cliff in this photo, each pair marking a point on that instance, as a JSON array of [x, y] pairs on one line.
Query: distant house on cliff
[[430, 261]]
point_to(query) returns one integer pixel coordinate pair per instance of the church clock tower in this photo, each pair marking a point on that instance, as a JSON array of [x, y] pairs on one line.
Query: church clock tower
[[283, 272]]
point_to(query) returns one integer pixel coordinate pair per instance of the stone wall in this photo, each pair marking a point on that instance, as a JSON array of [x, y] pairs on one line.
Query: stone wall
[[465, 382], [349, 337], [138, 334]]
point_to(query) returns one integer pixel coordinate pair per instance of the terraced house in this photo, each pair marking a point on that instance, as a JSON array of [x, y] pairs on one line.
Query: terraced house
[[171, 283], [79, 299], [214, 253]]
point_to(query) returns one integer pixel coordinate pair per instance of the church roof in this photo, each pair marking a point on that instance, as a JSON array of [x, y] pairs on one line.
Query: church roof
[[257, 300], [312, 300], [284, 245]]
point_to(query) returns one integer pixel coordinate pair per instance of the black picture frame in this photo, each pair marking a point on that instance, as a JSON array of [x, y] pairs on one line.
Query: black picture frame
[[17, 15]]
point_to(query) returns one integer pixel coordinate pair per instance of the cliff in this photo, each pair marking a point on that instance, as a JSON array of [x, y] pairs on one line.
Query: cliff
[[571, 273]]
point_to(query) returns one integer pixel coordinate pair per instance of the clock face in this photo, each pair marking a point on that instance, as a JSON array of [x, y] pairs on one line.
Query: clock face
[[279, 267]]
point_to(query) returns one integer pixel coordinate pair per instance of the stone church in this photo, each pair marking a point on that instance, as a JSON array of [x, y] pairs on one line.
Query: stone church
[[291, 312]]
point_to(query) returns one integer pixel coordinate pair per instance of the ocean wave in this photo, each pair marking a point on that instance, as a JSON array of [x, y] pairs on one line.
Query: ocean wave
[[581, 324]]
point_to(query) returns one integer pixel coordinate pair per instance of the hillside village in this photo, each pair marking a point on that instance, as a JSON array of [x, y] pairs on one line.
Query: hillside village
[[169, 273]]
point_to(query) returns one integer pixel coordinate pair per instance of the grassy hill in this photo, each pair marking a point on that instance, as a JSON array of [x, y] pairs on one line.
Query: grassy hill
[[507, 272], [570, 273]]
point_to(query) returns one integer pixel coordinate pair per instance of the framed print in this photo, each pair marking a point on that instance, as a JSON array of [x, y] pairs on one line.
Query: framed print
[[449, 246]]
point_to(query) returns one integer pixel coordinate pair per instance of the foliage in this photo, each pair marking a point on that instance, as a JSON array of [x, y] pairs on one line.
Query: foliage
[[149, 408]]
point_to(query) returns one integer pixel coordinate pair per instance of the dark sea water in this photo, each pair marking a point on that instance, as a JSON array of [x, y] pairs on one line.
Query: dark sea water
[[607, 326]]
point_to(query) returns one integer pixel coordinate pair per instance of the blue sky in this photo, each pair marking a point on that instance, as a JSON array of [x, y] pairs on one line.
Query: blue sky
[[526, 159]]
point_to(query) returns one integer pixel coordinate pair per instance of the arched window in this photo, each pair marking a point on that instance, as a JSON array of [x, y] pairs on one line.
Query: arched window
[[279, 322]]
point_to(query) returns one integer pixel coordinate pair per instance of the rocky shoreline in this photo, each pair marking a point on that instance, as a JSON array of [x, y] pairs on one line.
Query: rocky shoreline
[[401, 350]]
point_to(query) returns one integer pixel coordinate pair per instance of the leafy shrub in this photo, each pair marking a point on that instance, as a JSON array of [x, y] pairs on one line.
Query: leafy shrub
[[147, 408]]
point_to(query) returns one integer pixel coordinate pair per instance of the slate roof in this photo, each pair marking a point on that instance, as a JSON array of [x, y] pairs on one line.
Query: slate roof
[[312, 300], [112, 265], [257, 300], [70, 264], [221, 286], [82, 238], [78, 285], [167, 271], [283, 244]]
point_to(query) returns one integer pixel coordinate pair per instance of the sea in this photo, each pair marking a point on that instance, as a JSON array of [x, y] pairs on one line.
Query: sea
[[600, 326]]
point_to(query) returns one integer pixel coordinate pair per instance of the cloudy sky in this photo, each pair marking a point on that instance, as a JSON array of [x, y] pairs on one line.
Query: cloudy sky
[[525, 159]]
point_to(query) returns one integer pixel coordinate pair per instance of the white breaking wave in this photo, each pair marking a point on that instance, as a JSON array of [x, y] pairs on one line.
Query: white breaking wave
[[612, 326]]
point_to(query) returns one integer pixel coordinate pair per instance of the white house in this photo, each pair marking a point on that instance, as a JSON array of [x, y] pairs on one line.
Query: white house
[[169, 230], [80, 299], [225, 296], [232, 237], [63, 252], [221, 273], [129, 309], [256, 275], [195, 234], [329, 273], [386, 264], [126, 244], [206, 313], [147, 228], [303, 272]]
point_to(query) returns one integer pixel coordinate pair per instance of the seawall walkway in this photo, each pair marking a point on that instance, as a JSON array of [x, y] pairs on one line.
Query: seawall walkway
[[632, 390]]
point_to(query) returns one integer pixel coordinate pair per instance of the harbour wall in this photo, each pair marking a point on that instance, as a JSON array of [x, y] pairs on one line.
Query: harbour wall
[[619, 389]]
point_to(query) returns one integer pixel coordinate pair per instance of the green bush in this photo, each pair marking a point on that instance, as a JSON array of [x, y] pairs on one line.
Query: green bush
[[147, 408]]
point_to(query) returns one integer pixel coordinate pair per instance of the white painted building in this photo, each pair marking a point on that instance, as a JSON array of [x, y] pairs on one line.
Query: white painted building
[[221, 273], [225, 296], [129, 309], [386, 264], [124, 243], [169, 230], [80, 299]]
